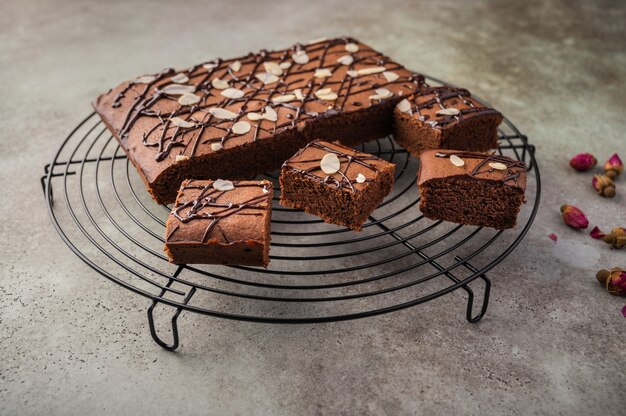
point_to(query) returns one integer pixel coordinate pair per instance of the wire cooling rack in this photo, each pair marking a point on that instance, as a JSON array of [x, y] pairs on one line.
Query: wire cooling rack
[[318, 272]]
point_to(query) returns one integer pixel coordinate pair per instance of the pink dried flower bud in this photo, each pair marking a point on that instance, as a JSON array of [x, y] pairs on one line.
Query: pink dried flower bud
[[614, 280], [603, 185], [613, 167], [583, 162], [553, 237], [596, 233], [574, 217]]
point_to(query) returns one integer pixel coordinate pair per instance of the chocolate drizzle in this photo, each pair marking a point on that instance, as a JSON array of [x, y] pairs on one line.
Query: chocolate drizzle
[[153, 102], [447, 97], [510, 175], [212, 205], [343, 181]]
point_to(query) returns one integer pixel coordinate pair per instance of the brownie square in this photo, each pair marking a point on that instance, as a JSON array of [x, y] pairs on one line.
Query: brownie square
[[236, 118], [220, 222], [471, 188], [445, 118], [340, 185]]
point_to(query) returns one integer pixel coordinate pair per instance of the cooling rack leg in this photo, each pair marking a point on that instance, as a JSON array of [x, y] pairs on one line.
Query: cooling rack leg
[[483, 307]]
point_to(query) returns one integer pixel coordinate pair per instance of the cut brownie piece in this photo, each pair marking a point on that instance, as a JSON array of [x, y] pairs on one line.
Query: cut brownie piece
[[471, 188], [338, 184], [220, 222], [237, 118], [445, 118]]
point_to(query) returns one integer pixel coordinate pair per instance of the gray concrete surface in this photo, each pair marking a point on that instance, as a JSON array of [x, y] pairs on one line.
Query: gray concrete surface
[[553, 340]]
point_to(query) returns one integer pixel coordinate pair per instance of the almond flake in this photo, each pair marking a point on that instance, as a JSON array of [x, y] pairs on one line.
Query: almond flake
[[330, 163], [176, 89], [235, 66], [285, 65], [457, 161], [448, 112], [216, 146], [146, 79], [273, 68], [381, 94], [404, 106], [371, 70], [266, 78], [209, 66], [220, 84], [177, 121], [352, 47], [241, 127], [270, 114], [222, 113], [498, 165], [265, 190], [360, 178], [180, 158], [233, 93], [390, 76], [300, 57], [352, 73], [255, 116], [298, 93], [318, 40], [222, 185], [323, 73], [180, 78], [283, 98], [345, 60], [326, 94], [188, 99]]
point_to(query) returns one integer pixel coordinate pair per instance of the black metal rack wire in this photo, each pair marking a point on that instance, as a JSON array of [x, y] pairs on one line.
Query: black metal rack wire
[[318, 272]]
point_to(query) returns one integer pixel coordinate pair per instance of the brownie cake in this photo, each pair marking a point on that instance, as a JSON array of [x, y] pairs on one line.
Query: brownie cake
[[445, 118], [471, 188], [340, 185], [239, 117], [220, 222]]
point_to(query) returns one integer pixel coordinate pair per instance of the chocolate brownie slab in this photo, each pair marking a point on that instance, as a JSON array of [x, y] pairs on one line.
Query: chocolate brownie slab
[[471, 188], [220, 222], [239, 117], [445, 118], [338, 184]]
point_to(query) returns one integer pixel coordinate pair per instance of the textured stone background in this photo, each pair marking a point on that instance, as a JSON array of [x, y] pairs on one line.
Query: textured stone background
[[552, 342]]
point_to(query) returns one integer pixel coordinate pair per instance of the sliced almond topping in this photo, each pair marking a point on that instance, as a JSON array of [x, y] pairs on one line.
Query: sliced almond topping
[[273, 68], [298, 93], [255, 116], [323, 73], [284, 98], [270, 114], [266, 77], [180, 78], [209, 65], [177, 121], [390, 76], [222, 113], [216, 146], [352, 73], [404, 106], [326, 94], [241, 127], [457, 161], [498, 165], [222, 185], [300, 57], [220, 84], [265, 190], [330, 163], [360, 178], [448, 112], [176, 89], [352, 47], [233, 93], [324, 91], [318, 40], [381, 94], [146, 79], [180, 158], [235, 66], [371, 70], [188, 99], [285, 65], [345, 60]]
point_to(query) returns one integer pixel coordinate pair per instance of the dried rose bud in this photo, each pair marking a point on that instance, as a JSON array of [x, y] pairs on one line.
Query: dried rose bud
[[614, 280], [613, 167], [616, 238], [583, 162], [574, 217], [553, 237], [596, 233], [603, 185]]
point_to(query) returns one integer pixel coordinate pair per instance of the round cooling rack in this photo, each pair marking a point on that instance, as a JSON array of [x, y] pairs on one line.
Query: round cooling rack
[[318, 272]]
